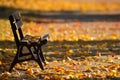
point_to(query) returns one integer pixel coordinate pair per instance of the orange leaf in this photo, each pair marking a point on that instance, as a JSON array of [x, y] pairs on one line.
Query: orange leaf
[[0, 62], [29, 71], [57, 68], [46, 78]]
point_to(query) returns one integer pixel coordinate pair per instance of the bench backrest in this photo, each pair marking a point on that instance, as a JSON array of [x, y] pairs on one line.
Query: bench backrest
[[16, 24]]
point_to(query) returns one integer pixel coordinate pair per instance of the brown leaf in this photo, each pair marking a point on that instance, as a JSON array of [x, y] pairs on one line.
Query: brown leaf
[[88, 70]]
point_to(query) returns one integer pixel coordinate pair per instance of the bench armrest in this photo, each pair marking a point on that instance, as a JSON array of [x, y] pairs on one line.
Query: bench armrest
[[44, 39]]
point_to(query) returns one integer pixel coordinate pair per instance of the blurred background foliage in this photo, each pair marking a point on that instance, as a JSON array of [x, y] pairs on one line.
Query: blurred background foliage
[[63, 5]]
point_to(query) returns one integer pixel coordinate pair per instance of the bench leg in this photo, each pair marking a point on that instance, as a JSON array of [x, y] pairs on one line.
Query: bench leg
[[40, 58], [41, 55], [38, 50], [14, 62], [39, 61], [19, 50]]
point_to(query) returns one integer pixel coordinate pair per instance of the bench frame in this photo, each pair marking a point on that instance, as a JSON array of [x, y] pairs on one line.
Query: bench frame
[[34, 47]]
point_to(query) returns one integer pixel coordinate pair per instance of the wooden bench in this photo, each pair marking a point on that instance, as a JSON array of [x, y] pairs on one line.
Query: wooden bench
[[31, 43]]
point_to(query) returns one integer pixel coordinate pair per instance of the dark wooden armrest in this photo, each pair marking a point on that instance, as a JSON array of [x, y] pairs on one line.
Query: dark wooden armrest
[[24, 42], [44, 39]]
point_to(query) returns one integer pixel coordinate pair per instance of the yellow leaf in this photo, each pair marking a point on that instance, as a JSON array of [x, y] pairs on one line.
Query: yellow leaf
[[103, 68], [70, 76], [63, 61], [18, 65], [70, 51], [55, 61], [99, 75], [80, 75], [113, 73]]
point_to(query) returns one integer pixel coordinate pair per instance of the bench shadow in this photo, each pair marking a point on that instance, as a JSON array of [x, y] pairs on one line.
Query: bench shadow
[[83, 48], [57, 16], [62, 47]]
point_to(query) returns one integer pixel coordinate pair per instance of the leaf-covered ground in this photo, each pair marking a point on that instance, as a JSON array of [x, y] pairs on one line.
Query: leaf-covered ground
[[76, 50]]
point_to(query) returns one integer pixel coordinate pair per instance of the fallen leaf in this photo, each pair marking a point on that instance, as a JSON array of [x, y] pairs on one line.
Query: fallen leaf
[[118, 69], [71, 51], [69, 59], [113, 55], [46, 78], [98, 54], [88, 70], [69, 77], [113, 73], [57, 68], [0, 62], [29, 71]]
